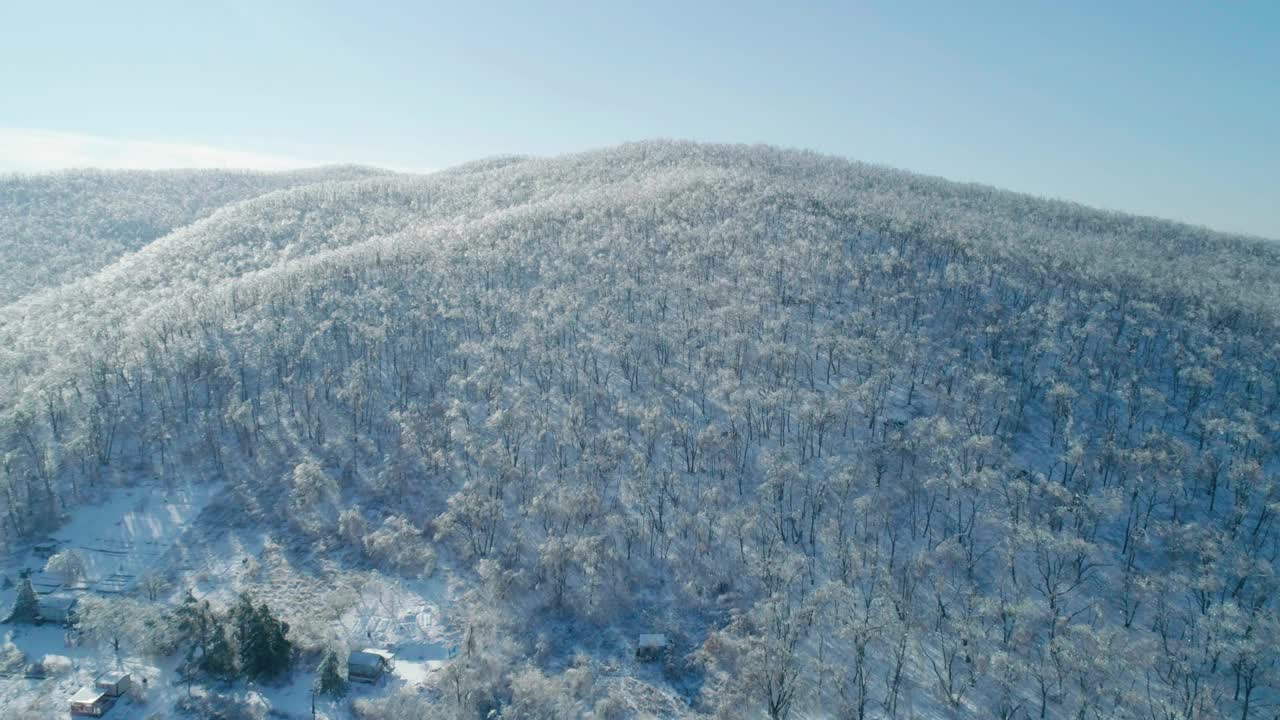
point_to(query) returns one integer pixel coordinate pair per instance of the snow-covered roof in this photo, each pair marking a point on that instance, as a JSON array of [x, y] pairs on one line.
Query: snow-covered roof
[[112, 677], [653, 640], [368, 658], [384, 654], [58, 601], [87, 696]]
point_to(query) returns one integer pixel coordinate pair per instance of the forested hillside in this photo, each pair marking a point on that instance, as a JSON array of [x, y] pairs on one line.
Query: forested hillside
[[861, 443], [62, 226]]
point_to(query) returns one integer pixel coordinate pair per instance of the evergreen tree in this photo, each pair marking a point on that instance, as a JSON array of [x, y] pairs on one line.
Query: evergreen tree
[[250, 642], [265, 651], [218, 659], [25, 608], [209, 648], [193, 619], [277, 632], [329, 680]]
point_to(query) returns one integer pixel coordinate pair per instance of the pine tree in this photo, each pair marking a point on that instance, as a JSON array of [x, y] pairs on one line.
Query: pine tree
[[25, 608], [329, 680], [218, 659], [265, 651], [249, 639], [280, 650], [193, 620]]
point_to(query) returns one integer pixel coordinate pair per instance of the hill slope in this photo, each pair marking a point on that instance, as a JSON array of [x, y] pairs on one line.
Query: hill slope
[[58, 227], [856, 440]]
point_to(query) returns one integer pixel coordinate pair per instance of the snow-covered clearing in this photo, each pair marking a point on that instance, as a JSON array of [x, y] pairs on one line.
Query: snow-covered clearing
[[125, 535], [120, 538], [70, 667], [150, 529]]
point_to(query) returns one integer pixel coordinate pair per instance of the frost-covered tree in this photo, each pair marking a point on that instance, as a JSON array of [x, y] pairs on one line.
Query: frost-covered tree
[[68, 565], [329, 680], [25, 606], [976, 440]]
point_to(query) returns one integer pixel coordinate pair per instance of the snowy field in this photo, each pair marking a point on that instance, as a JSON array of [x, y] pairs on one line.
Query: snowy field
[[125, 535], [121, 538]]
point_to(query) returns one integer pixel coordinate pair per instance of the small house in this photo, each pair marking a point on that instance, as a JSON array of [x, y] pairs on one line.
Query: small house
[[91, 702], [651, 646], [57, 608], [369, 665], [45, 548], [114, 683]]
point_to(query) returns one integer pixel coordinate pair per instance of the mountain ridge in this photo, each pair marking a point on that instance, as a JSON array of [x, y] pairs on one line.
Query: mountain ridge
[[850, 437], [47, 240], [1248, 266]]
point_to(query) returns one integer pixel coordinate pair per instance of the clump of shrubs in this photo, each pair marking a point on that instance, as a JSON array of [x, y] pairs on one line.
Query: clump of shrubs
[[398, 545]]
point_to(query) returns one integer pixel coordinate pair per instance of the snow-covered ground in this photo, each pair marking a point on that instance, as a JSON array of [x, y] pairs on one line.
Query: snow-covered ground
[[121, 538], [70, 667], [126, 534], [151, 529]]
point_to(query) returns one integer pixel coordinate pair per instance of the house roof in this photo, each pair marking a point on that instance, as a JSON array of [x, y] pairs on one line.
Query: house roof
[[62, 601], [111, 677], [87, 695], [368, 658], [653, 640]]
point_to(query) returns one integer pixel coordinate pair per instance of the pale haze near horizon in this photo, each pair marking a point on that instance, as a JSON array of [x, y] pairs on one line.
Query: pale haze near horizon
[[1152, 108]]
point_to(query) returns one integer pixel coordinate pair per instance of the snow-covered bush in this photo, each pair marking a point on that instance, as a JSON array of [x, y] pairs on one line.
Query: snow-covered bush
[[403, 705], [611, 707], [224, 706], [534, 694], [125, 623], [352, 526], [11, 657], [54, 665], [312, 496], [397, 545]]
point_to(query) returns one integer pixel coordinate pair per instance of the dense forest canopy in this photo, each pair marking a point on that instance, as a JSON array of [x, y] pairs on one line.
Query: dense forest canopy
[[59, 227], [851, 437]]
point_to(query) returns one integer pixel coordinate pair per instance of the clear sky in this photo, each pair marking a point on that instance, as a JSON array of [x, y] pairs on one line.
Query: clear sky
[[1163, 108]]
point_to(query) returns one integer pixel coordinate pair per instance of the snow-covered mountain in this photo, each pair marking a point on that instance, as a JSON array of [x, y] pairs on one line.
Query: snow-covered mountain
[[860, 443], [62, 226]]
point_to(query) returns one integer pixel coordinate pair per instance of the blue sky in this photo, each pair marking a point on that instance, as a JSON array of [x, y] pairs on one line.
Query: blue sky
[[1160, 108]]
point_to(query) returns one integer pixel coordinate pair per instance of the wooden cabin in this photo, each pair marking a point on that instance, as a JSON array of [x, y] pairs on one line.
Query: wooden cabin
[[57, 608], [45, 548], [114, 683], [91, 702], [651, 646], [369, 665]]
